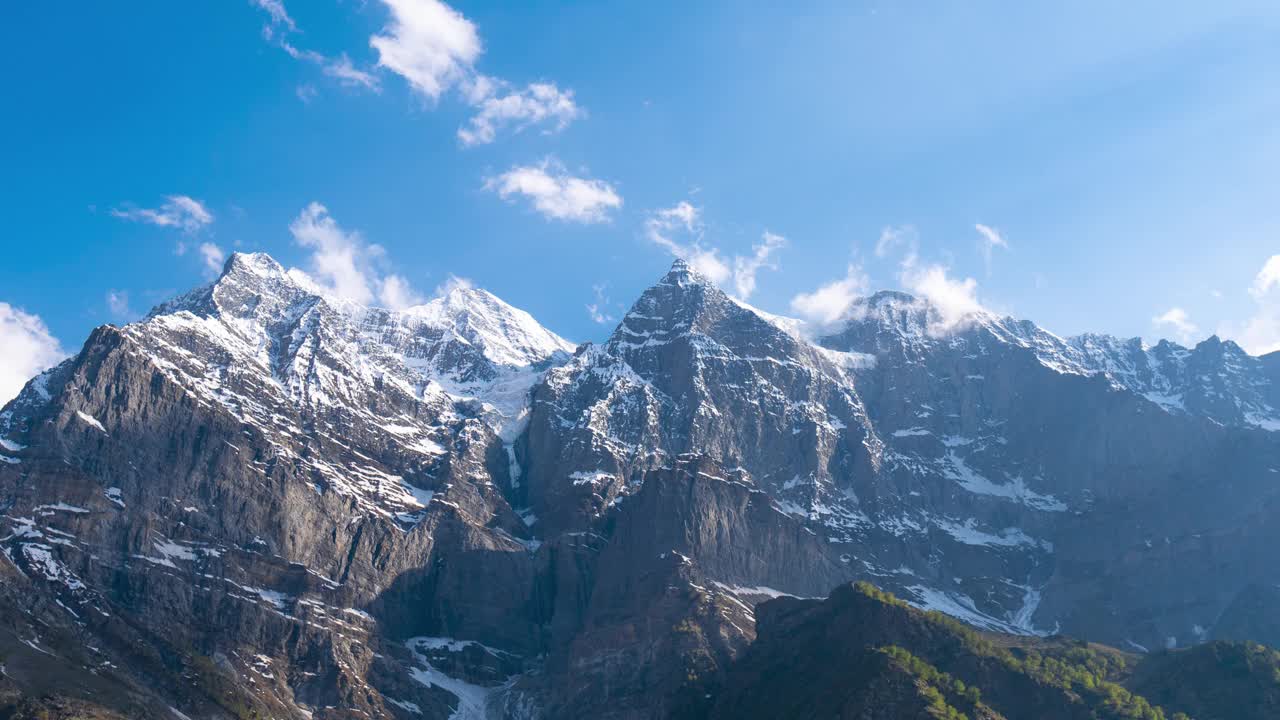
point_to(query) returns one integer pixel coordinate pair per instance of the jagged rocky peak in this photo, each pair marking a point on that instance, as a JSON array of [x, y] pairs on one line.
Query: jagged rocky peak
[[1216, 379], [668, 308], [463, 322], [254, 286], [691, 369], [250, 285], [686, 307]]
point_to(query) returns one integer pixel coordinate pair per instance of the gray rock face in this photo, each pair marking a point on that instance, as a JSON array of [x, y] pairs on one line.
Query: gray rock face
[[690, 370], [259, 479], [263, 499]]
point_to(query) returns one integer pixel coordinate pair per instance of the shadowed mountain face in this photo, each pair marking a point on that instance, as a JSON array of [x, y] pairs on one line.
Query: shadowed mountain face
[[265, 499]]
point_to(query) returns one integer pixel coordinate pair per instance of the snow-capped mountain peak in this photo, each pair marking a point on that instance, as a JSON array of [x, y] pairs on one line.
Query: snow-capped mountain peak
[[506, 335], [1215, 379]]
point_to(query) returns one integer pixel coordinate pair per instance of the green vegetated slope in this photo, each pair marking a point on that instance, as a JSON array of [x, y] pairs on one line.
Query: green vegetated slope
[[863, 653]]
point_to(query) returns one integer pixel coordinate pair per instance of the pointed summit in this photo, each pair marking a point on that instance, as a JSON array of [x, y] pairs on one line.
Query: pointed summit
[[257, 263], [504, 334], [670, 308], [682, 273]]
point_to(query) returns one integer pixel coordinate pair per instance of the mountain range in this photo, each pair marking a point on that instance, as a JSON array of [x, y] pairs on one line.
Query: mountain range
[[263, 500]]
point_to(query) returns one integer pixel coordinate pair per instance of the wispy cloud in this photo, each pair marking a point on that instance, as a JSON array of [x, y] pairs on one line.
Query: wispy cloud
[[213, 258], [762, 256], [118, 305], [277, 31], [518, 109], [394, 292], [1176, 320], [891, 238], [1260, 333], [598, 310], [279, 15], [1267, 279], [348, 74], [665, 226], [434, 48], [955, 300], [679, 230], [28, 346], [344, 264], [991, 239], [178, 211], [556, 194]]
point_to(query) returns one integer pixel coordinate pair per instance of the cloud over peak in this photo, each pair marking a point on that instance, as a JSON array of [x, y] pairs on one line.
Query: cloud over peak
[[345, 265], [954, 300], [665, 226], [1176, 320], [829, 303]]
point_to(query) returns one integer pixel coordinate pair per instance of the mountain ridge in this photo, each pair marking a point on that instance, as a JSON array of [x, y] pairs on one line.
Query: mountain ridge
[[445, 508]]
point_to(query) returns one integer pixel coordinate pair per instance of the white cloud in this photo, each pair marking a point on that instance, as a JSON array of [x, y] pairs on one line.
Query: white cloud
[[681, 214], [1178, 321], [598, 310], [663, 225], [1267, 278], [451, 283], [429, 44], [310, 56], [279, 15], [434, 48], [349, 74], [745, 268], [556, 194], [118, 305], [539, 102], [396, 293], [956, 301], [306, 92], [991, 239], [213, 257], [29, 348], [1260, 334], [178, 211], [341, 68], [893, 237], [344, 264], [830, 302], [338, 260]]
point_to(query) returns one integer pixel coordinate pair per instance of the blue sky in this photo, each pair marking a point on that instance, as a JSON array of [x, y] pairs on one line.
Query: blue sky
[[1123, 159]]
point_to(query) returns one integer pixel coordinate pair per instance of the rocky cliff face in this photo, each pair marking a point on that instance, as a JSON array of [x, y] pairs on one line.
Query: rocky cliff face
[[263, 499]]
